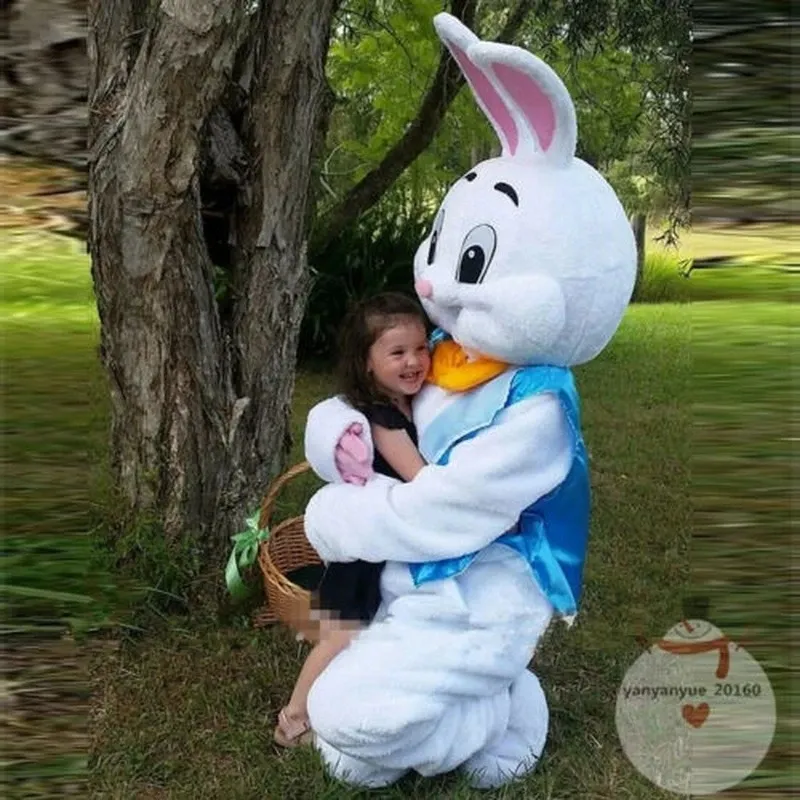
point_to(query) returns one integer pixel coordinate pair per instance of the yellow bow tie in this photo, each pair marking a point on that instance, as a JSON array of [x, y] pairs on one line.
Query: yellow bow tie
[[452, 369]]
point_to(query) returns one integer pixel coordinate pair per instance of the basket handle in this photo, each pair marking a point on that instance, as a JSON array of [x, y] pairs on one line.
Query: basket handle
[[274, 490]]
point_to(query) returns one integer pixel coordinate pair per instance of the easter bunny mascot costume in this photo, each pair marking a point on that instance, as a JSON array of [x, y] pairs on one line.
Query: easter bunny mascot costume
[[527, 271]]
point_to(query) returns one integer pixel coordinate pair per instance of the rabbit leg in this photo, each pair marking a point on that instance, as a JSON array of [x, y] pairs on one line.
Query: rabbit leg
[[422, 698], [517, 750], [353, 770]]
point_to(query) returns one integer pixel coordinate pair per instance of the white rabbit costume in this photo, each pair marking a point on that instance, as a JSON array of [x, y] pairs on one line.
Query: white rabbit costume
[[531, 261]]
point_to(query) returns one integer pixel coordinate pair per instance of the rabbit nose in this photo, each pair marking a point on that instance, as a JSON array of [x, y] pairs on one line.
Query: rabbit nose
[[424, 288]]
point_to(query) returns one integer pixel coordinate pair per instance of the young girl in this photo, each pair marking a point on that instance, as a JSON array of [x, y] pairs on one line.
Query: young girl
[[383, 363]]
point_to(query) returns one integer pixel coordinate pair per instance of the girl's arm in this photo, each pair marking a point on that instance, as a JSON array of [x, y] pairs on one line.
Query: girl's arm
[[399, 451]]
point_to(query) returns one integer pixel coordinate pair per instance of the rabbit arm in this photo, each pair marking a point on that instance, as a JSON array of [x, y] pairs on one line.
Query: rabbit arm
[[327, 422], [448, 511]]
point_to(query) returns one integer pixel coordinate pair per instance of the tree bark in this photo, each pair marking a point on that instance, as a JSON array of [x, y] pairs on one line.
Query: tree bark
[[199, 398], [639, 225], [43, 76]]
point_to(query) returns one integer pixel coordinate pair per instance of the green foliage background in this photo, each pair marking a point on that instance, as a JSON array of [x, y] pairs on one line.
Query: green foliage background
[[382, 59]]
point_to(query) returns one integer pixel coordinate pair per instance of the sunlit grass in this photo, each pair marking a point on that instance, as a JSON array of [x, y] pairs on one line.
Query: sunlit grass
[[778, 243], [770, 243], [756, 262]]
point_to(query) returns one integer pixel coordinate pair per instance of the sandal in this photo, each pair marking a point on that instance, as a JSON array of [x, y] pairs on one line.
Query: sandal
[[292, 734]]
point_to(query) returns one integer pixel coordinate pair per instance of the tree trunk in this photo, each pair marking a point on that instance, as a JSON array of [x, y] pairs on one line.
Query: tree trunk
[[639, 225], [43, 71], [185, 94]]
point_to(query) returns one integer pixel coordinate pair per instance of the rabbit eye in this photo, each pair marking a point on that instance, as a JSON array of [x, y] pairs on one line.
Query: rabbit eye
[[432, 248], [437, 228], [476, 254]]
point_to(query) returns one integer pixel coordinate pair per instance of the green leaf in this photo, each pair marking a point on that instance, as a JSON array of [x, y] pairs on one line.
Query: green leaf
[[46, 594]]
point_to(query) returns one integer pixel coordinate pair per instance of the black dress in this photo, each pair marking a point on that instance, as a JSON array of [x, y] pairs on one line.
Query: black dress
[[351, 590]]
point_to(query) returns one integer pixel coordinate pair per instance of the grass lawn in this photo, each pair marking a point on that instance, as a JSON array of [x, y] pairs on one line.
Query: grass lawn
[[754, 263], [766, 243], [690, 453]]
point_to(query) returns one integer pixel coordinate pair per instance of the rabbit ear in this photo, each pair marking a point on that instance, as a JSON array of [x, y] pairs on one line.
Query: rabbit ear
[[536, 98], [460, 40]]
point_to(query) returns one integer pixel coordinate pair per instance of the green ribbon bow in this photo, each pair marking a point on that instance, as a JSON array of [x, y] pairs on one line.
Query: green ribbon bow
[[245, 550]]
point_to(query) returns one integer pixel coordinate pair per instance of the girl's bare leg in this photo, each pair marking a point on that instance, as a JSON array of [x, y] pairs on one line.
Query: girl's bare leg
[[333, 639]]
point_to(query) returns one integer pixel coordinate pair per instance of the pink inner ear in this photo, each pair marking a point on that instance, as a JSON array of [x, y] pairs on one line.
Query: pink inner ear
[[495, 107], [531, 100]]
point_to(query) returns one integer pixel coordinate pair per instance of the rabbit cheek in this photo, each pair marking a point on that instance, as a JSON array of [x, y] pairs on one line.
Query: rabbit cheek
[[477, 330], [444, 319], [522, 333], [534, 337]]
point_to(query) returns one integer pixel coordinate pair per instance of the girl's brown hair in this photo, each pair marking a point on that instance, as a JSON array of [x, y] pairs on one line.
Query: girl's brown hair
[[363, 325]]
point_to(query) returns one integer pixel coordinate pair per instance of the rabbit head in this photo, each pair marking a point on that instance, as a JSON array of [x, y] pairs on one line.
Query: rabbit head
[[531, 258]]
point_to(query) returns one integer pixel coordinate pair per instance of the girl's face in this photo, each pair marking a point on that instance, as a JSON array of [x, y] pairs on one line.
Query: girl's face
[[398, 360]]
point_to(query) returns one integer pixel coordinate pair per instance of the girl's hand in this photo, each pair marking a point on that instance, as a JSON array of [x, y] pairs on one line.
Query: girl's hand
[[352, 457]]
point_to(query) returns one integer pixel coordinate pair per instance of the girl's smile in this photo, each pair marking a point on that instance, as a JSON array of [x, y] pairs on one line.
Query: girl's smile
[[399, 359]]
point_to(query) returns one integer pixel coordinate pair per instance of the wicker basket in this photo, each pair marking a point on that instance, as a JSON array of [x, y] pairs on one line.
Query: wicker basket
[[286, 550]]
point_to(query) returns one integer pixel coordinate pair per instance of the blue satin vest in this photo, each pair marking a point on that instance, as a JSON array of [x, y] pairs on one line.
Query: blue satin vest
[[552, 533]]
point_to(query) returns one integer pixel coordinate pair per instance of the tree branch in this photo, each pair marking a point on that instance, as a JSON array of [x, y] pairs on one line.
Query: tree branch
[[702, 38], [419, 134]]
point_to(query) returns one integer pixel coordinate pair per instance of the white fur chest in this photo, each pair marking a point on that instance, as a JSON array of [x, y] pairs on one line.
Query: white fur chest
[[429, 403]]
